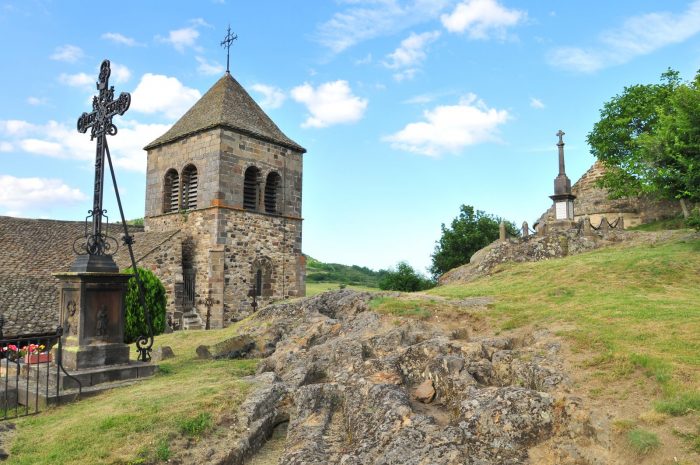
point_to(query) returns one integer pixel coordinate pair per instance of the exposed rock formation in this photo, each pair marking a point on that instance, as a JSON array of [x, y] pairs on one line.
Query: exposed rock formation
[[556, 244], [344, 378]]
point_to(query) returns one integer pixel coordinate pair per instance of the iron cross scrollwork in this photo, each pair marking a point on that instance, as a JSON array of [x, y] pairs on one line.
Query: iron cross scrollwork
[[99, 121], [228, 40]]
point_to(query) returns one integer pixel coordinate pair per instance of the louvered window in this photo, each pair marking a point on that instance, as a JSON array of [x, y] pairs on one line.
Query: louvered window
[[171, 191], [251, 184], [272, 186], [189, 187]]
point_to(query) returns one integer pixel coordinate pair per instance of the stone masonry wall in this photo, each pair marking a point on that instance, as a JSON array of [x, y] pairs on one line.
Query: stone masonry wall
[[221, 157], [224, 271]]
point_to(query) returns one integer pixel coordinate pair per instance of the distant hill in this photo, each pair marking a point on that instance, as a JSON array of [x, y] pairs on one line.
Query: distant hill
[[319, 272]]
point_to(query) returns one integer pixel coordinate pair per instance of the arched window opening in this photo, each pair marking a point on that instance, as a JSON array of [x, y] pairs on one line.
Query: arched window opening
[[189, 187], [272, 187], [171, 191], [262, 277], [251, 183], [258, 283]]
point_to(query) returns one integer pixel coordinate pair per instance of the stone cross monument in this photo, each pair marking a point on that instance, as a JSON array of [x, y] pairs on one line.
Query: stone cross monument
[[563, 199]]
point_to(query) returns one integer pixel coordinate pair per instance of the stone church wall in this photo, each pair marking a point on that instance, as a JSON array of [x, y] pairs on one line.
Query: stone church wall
[[221, 157], [224, 257]]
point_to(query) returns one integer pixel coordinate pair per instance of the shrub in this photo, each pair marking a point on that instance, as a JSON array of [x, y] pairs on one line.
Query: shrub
[[135, 322], [471, 231], [405, 279], [693, 220]]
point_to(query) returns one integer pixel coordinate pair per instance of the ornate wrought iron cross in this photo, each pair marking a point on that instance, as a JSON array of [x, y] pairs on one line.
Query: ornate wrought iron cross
[[104, 107], [228, 40]]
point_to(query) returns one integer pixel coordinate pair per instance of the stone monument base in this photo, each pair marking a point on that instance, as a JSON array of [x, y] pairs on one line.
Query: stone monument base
[[95, 355], [54, 386]]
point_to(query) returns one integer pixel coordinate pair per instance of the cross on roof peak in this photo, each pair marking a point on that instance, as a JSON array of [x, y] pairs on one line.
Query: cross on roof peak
[[228, 40]]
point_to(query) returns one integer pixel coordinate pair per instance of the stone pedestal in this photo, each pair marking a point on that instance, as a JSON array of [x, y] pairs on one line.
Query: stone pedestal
[[92, 315]]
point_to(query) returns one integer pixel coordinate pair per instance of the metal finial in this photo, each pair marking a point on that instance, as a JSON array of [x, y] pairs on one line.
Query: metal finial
[[228, 40]]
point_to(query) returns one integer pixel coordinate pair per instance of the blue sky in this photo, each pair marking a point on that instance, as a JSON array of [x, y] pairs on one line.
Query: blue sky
[[408, 109]]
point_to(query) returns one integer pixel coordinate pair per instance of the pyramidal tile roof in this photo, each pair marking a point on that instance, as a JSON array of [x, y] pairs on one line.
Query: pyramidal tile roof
[[227, 105]]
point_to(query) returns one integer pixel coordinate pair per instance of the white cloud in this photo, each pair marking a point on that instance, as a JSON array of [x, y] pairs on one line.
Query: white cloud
[[273, 97], [364, 61], [67, 53], [17, 194], [127, 146], [330, 103], [450, 128], [482, 19], [6, 147], [419, 99], [118, 38], [367, 19], [42, 147], [410, 54], [15, 127], [60, 141], [638, 35], [77, 80], [536, 103], [120, 73], [36, 101], [182, 38], [157, 93], [207, 68]]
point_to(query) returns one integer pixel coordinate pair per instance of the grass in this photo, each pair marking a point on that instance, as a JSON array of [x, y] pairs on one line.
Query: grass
[[691, 438], [135, 424], [642, 441], [421, 309], [679, 405], [631, 308], [677, 222]]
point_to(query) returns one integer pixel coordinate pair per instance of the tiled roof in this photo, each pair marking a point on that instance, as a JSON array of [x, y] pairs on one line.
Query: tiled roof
[[34, 249], [227, 105]]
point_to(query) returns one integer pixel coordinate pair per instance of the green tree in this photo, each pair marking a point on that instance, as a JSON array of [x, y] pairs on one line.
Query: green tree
[[471, 231], [648, 139], [404, 278], [135, 321]]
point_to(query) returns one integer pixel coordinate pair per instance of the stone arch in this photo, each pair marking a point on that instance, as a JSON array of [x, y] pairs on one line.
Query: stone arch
[[190, 182], [262, 276], [251, 188], [273, 185], [171, 191]]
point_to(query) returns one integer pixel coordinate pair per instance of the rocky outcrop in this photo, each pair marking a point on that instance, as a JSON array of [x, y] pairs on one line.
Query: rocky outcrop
[[555, 244], [346, 379]]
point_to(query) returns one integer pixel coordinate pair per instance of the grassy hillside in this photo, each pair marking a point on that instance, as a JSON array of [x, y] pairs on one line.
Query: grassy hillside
[[630, 317], [619, 301], [319, 272]]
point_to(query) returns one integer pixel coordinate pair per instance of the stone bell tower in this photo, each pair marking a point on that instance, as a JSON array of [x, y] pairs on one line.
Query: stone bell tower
[[229, 180]]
